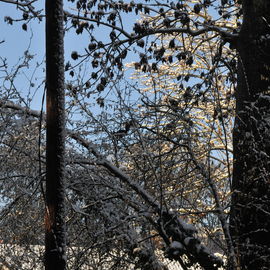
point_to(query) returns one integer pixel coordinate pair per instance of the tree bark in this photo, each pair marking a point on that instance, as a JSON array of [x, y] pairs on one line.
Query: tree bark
[[55, 231], [249, 221]]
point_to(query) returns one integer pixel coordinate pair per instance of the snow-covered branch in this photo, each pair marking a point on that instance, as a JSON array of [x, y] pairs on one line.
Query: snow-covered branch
[[182, 239]]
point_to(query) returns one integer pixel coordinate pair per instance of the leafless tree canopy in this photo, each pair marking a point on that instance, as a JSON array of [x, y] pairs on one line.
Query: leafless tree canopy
[[167, 135]]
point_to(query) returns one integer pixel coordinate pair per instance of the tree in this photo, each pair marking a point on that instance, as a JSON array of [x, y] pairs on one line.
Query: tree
[[187, 34], [248, 232], [55, 232], [250, 201]]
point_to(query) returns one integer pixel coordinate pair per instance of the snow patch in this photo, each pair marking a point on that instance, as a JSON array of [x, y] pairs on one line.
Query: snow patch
[[176, 245]]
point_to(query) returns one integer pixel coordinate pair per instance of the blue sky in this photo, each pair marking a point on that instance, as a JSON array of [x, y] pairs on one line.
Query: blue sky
[[17, 42]]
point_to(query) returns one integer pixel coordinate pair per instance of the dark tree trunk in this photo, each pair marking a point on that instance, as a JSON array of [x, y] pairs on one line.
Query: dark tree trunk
[[250, 212], [55, 231]]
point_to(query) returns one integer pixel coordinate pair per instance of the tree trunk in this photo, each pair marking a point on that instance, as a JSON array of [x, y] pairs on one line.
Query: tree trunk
[[250, 212], [55, 231]]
